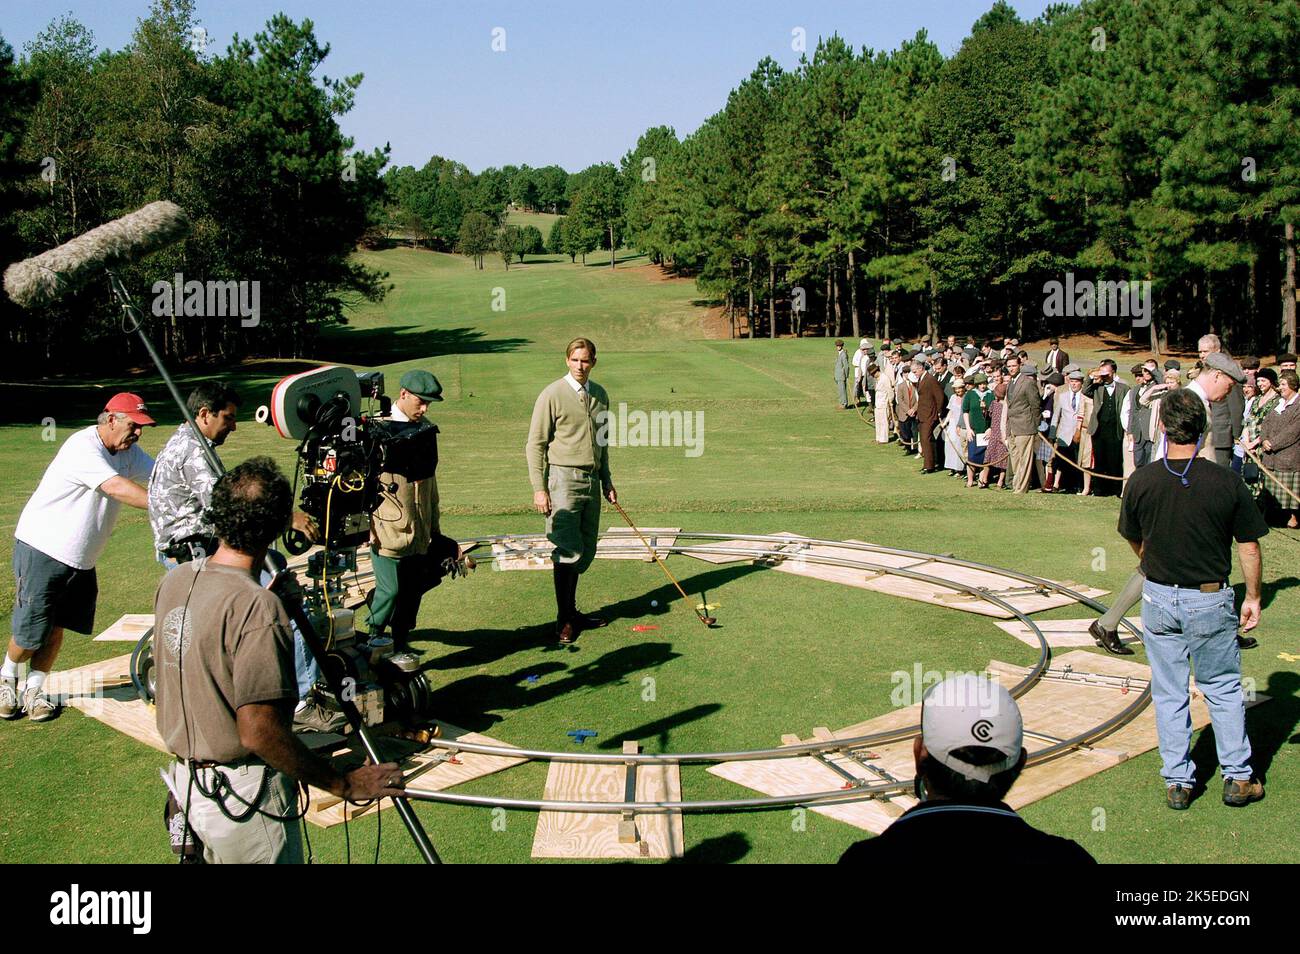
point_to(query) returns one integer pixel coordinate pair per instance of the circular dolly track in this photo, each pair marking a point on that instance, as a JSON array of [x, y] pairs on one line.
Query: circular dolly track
[[838, 796]]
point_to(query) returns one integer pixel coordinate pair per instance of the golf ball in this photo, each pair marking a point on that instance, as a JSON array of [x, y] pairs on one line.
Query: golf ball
[[654, 602]]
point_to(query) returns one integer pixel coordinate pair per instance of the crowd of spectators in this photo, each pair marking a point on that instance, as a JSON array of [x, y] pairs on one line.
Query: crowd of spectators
[[995, 416]]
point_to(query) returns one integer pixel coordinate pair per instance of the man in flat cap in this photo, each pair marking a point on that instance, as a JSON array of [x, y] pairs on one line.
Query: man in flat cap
[[406, 522], [1226, 413], [60, 535]]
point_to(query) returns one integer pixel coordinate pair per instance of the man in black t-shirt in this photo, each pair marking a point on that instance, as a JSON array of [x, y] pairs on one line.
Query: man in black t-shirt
[[1181, 515], [968, 755]]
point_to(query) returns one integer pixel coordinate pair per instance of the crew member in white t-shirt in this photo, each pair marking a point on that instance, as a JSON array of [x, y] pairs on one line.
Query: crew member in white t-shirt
[[60, 535]]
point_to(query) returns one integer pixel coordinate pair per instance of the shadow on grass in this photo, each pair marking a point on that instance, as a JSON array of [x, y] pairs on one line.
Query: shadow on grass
[[623, 259], [660, 729], [722, 850], [1268, 590], [390, 344], [670, 600], [1269, 726], [471, 702], [484, 646]]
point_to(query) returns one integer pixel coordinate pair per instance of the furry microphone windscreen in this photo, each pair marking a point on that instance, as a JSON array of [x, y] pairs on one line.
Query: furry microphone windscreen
[[43, 278]]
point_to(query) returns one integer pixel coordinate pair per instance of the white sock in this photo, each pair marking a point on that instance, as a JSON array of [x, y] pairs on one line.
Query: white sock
[[35, 679], [9, 670]]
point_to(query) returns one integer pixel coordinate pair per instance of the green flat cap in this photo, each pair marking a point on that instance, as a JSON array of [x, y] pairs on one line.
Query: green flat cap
[[423, 385]]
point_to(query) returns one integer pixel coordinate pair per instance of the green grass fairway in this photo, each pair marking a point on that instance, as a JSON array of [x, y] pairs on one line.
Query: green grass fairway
[[789, 654], [541, 220]]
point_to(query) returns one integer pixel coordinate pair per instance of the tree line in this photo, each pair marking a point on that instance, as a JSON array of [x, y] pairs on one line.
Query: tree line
[[246, 141], [901, 192], [889, 192]]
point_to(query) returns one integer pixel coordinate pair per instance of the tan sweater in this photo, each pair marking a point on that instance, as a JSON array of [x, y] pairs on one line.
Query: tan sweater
[[561, 433]]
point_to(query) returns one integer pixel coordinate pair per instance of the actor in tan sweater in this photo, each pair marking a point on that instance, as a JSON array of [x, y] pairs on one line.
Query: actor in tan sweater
[[566, 462]]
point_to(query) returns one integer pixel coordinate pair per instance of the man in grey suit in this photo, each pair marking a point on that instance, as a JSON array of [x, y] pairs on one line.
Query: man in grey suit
[[842, 373], [1024, 412], [1226, 415]]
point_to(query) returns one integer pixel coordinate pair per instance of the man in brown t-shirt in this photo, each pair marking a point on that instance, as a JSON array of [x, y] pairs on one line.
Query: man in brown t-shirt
[[226, 687]]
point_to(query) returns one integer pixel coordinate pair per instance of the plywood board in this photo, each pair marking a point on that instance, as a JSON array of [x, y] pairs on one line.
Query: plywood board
[[595, 834], [744, 545], [1064, 633], [1015, 592], [127, 629], [620, 543], [514, 555], [326, 810], [800, 565], [1052, 708], [104, 692]]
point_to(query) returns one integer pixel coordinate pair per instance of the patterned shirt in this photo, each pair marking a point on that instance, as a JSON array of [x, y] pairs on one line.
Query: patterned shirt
[[180, 490]]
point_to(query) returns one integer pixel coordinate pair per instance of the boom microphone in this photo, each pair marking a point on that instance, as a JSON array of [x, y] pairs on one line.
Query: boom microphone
[[43, 278]]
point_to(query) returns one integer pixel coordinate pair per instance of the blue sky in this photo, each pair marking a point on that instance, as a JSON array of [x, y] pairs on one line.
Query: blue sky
[[577, 82]]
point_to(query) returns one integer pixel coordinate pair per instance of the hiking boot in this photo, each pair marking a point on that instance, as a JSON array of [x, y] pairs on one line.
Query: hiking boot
[[1178, 797], [9, 708], [583, 621], [1239, 791], [314, 717], [566, 633], [40, 708]]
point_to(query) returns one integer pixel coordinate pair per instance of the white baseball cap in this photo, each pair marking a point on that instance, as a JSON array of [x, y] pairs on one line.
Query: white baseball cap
[[969, 710]]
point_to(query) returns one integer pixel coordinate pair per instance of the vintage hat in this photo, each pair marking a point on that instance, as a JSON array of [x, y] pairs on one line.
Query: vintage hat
[[422, 384]]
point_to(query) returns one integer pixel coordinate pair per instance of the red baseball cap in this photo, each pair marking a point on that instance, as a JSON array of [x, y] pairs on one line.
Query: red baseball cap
[[132, 405]]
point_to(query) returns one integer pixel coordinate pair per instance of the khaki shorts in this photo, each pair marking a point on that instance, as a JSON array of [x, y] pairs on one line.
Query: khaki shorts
[[257, 840], [574, 523]]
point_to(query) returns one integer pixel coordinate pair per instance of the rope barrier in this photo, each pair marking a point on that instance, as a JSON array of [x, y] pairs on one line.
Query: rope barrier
[[1272, 475], [1075, 465]]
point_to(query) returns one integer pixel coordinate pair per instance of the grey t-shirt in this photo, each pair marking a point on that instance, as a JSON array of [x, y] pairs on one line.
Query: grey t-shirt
[[234, 642]]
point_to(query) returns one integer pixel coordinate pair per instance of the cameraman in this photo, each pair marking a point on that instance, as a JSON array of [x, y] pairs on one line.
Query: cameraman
[[404, 525], [180, 490], [226, 687]]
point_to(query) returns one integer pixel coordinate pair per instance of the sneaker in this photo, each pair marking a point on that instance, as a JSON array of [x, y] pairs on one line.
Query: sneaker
[[1239, 791], [1178, 797], [9, 708], [314, 717], [39, 707]]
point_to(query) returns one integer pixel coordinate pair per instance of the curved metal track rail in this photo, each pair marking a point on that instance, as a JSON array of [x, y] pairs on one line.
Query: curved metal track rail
[[778, 547]]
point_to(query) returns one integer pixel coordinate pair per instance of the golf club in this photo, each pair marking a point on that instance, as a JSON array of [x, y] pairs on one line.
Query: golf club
[[706, 620]]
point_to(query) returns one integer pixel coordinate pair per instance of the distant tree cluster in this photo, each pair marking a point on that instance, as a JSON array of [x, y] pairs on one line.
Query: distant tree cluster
[[246, 141], [902, 193]]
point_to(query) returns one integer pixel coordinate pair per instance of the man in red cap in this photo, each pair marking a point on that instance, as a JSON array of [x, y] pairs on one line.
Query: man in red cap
[[59, 537]]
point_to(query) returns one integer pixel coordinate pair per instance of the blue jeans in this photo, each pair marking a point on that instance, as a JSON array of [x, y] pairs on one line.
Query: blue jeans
[[304, 666], [1185, 629]]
